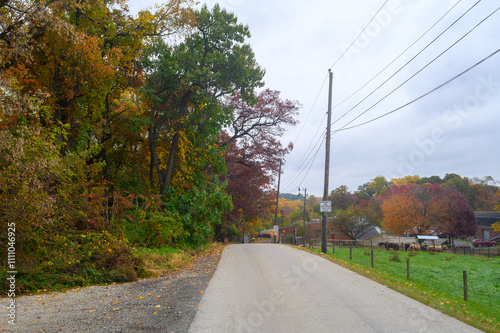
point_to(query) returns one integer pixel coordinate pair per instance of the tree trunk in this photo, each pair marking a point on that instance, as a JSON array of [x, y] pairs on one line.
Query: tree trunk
[[153, 157], [175, 144], [170, 165]]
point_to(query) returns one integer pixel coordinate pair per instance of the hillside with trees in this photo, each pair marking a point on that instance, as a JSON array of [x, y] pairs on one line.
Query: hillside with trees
[[415, 205], [408, 205], [121, 131]]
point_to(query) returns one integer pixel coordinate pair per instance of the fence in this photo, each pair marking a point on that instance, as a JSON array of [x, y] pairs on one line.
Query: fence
[[463, 250]]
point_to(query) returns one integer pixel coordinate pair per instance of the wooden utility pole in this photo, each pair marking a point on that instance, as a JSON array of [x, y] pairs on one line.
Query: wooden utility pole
[[277, 202], [327, 163], [304, 233]]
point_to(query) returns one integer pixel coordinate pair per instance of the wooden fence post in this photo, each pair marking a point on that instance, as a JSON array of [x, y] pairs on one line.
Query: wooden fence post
[[466, 287], [408, 268], [350, 252], [373, 262]]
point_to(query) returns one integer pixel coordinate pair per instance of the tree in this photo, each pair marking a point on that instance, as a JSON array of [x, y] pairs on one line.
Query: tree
[[341, 198], [185, 82], [370, 211], [253, 151], [422, 209], [409, 208], [484, 193], [430, 180], [406, 180], [378, 184], [351, 224], [457, 217], [461, 185]]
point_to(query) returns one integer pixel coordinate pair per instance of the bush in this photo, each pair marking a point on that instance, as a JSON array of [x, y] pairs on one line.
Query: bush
[[64, 261], [152, 230], [394, 256]]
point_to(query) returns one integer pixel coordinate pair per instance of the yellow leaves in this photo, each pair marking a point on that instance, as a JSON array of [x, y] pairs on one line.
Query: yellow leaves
[[496, 226]]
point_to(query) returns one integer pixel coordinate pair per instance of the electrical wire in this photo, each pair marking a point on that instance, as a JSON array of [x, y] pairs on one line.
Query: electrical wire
[[361, 32], [301, 167], [344, 128], [310, 111], [420, 70], [394, 60], [409, 61], [305, 161]]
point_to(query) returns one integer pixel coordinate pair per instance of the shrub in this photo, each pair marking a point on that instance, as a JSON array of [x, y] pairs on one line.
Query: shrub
[[394, 256]]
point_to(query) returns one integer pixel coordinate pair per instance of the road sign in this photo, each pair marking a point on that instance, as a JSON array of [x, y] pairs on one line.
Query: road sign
[[325, 206], [276, 230]]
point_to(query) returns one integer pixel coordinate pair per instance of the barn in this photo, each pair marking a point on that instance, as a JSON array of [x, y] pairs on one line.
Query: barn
[[485, 222]]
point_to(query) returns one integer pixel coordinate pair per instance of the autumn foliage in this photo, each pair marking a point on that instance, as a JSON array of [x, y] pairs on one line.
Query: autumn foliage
[[424, 209], [121, 130]]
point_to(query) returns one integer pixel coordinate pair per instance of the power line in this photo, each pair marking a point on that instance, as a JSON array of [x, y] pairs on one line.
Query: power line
[[344, 128], [387, 66], [408, 62], [310, 111], [420, 70], [305, 160], [310, 164], [355, 39], [303, 163]]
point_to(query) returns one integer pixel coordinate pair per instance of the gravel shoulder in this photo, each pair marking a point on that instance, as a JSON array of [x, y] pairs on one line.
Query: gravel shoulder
[[160, 304]]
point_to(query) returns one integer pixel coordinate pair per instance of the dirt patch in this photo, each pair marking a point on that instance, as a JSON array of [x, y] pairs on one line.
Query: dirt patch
[[161, 304]]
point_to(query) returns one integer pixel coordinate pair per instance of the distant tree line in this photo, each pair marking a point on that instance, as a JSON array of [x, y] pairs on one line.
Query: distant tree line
[[408, 205]]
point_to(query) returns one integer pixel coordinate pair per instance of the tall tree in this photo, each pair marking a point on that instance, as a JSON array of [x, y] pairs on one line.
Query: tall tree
[[185, 82], [457, 217], [341, 198], [420, 209], [409, 208], [253, 151]]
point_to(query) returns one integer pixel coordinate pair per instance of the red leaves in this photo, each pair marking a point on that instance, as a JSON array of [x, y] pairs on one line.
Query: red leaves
[[254, 152]]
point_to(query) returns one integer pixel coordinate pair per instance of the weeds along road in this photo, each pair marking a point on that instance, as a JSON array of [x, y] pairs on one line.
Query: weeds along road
[[276, 288]]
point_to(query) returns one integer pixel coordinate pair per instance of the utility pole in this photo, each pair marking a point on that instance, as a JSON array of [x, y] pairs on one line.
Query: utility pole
[[304, 233], [327, 163], [277, 201]]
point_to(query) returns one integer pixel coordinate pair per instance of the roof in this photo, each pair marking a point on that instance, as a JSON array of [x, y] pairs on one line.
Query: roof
[[425, 237], [486, 219]]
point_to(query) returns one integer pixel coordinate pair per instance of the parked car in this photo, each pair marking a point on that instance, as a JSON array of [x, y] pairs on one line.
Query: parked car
[[483, 242]]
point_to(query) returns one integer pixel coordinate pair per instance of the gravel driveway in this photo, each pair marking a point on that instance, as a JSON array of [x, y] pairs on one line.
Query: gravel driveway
[[162, 304]]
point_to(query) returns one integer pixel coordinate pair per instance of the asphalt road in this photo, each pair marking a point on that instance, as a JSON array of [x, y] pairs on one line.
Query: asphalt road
[[276, 288]]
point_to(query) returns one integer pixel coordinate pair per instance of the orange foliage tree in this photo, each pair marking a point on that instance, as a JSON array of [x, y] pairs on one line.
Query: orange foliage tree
[[421, 209]]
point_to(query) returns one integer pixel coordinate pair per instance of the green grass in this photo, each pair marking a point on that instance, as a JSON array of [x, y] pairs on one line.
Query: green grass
[[436, 280]]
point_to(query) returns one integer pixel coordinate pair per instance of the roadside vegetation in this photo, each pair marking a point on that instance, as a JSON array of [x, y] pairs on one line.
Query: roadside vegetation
[[436, 279], [127, 138], [143, 263]]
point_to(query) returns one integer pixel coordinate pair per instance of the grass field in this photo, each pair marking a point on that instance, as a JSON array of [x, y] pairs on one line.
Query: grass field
[[435, 280]]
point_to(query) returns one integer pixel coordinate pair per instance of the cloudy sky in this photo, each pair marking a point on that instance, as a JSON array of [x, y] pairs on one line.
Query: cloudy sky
[[451, 130]]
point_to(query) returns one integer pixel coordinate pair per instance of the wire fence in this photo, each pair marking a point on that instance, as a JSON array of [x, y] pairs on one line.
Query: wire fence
[[467, 250]]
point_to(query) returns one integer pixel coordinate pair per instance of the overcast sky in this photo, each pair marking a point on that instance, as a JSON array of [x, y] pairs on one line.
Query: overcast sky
[[452, 130]]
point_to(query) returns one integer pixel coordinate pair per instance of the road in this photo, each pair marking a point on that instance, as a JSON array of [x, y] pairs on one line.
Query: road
[[277, 288]]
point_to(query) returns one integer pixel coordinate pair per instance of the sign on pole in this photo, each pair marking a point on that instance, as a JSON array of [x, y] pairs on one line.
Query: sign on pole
[[276, 230], [325, 206]]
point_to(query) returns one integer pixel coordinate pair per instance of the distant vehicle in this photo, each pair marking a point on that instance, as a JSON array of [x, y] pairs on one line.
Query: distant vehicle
[[483, 242]]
